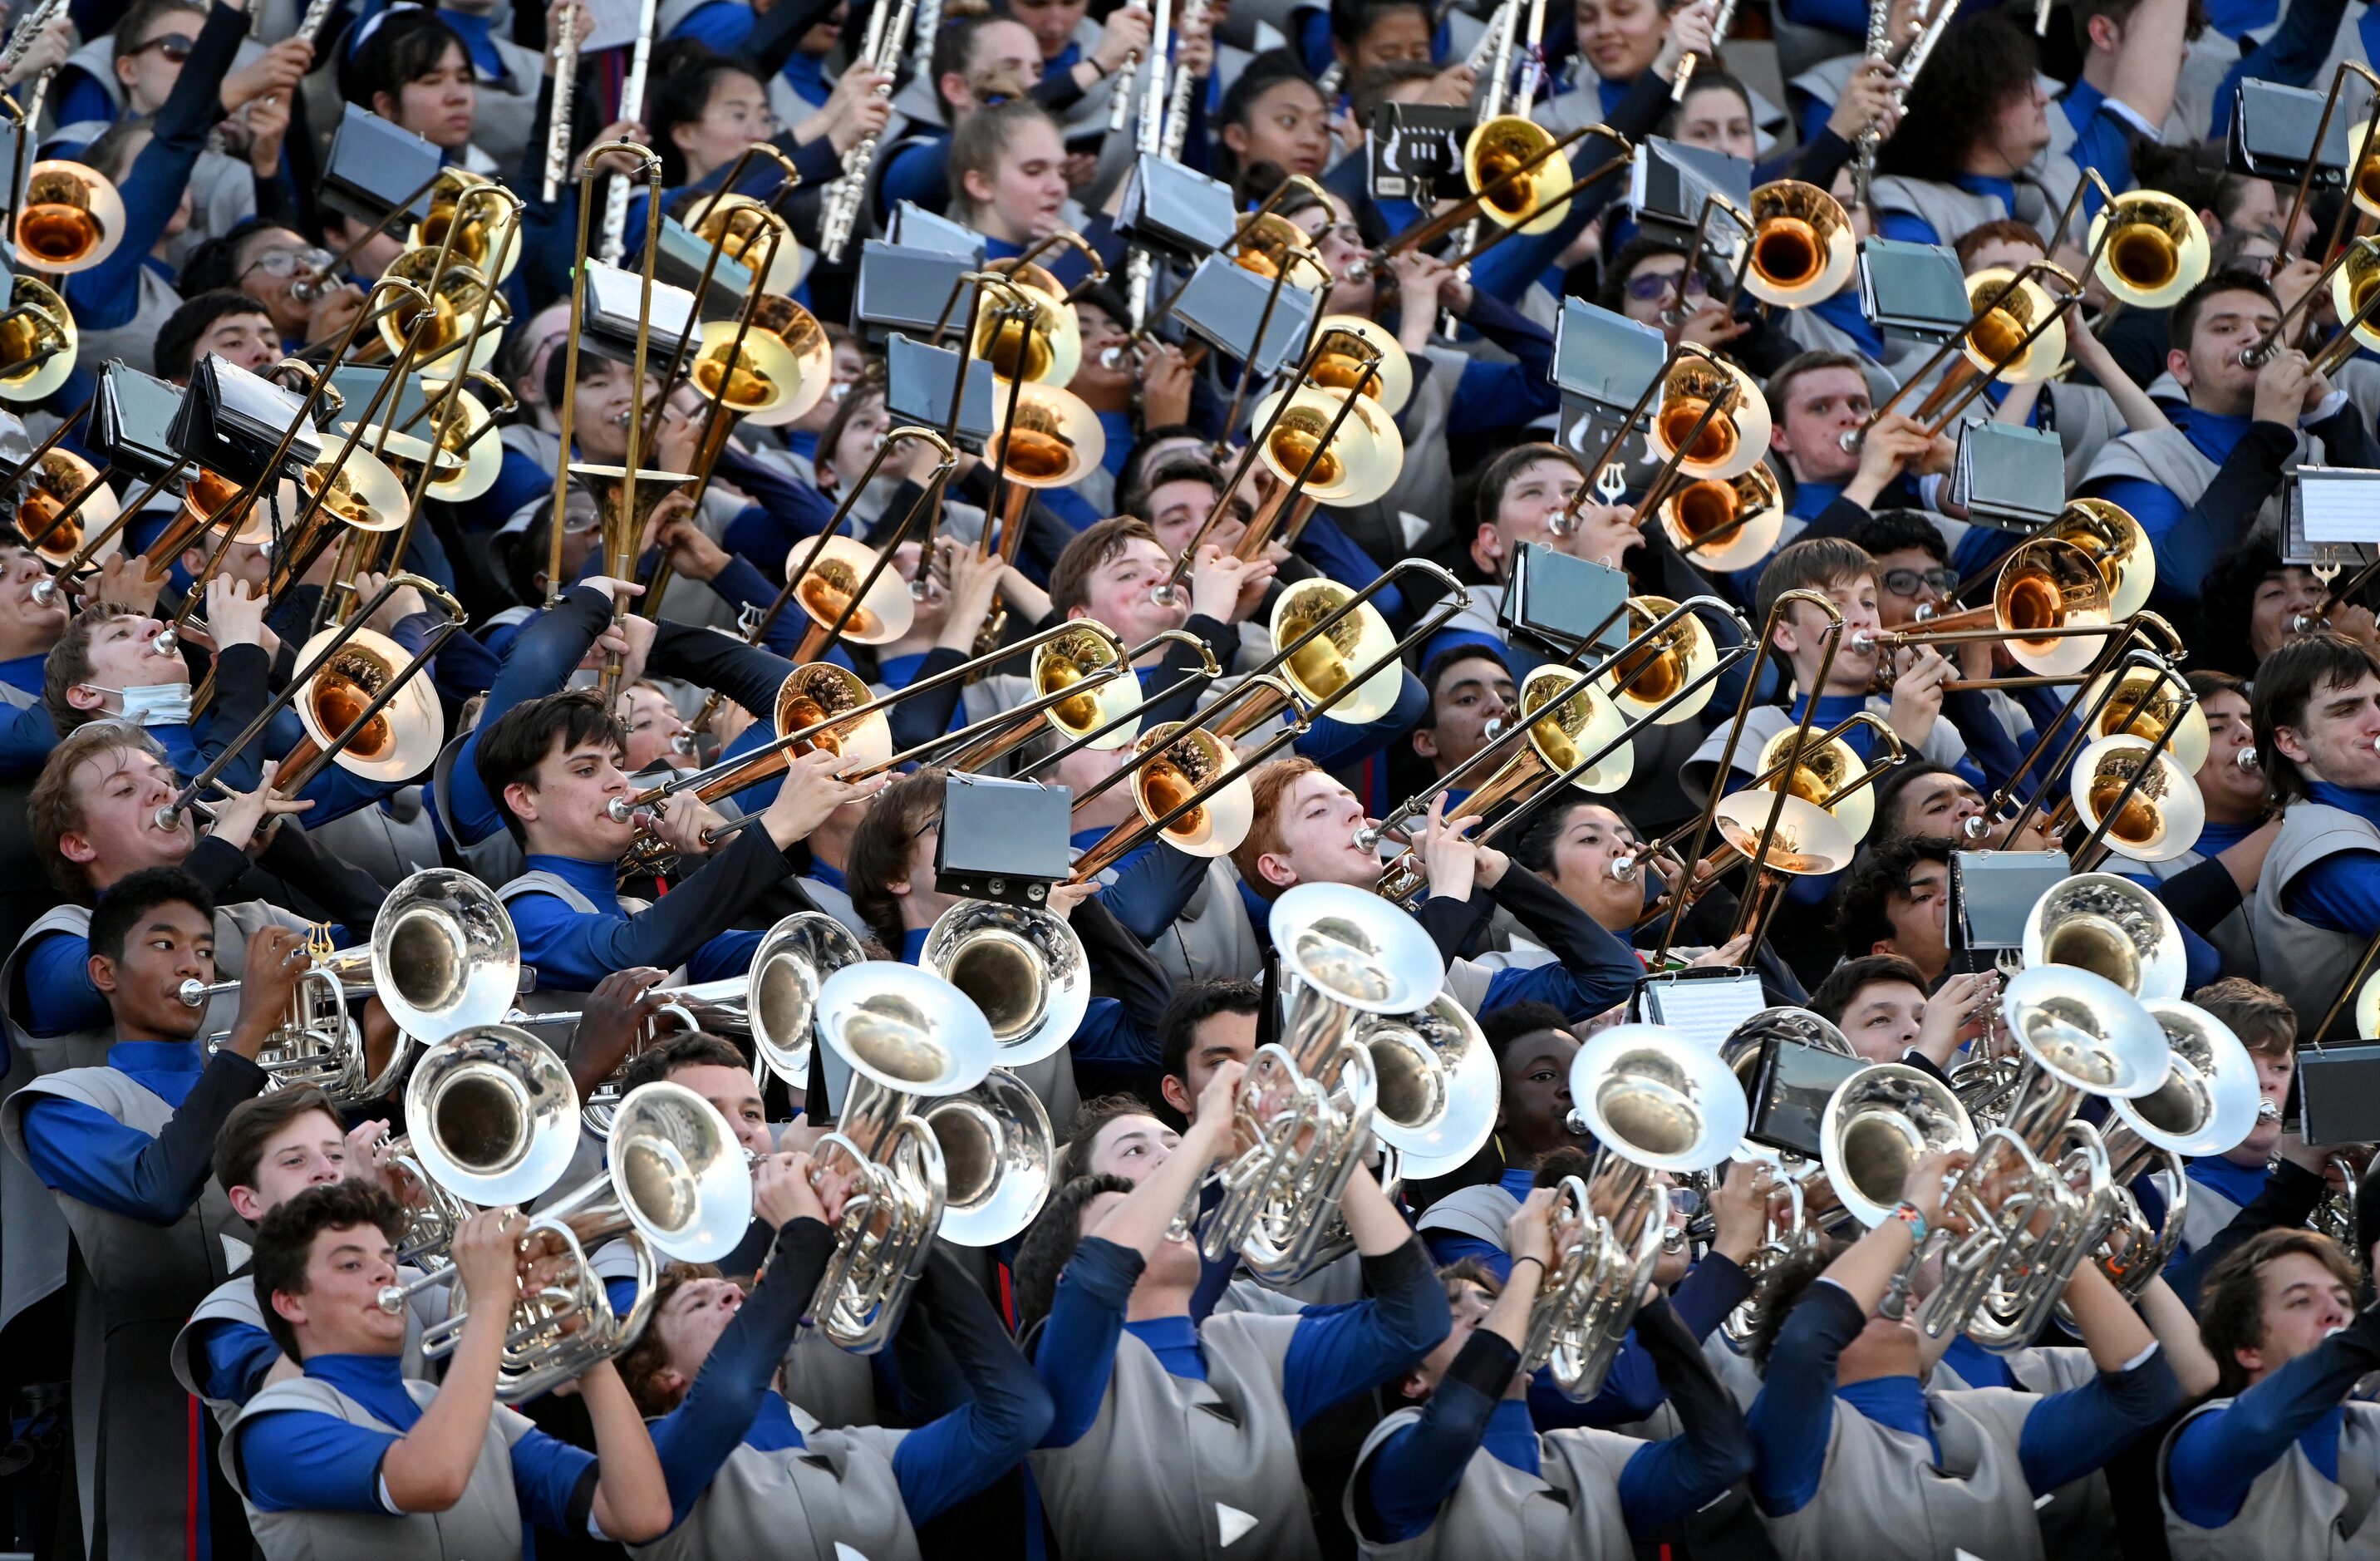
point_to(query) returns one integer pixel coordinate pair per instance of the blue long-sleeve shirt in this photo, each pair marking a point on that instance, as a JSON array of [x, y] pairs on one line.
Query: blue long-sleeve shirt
[[27, 734], [2068, 1435], [537, 662], [235, 1357], [301, 1461], [82, 1151], [2340, 892], [2218, 1456], [574, 951], [1335, 1351]]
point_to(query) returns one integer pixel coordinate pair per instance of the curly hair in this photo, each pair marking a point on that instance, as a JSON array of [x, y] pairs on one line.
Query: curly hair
[[1981, 64]]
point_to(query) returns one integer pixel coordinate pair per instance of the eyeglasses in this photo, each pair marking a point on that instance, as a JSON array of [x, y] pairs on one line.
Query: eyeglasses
[[928, 828], [175, 46], [287, 263], [1905, 583], [1647, 286]]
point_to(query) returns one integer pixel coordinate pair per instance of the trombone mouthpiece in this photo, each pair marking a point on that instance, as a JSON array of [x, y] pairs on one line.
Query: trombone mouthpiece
[[1849, 441], [622, 809], [2267, 1111], [392, 1299], [169, 816], [193, 994], [46, 593], [164, 642], [1111, 357], [1976, 826], [1621, 869], [1165, 593], [1367, 837]]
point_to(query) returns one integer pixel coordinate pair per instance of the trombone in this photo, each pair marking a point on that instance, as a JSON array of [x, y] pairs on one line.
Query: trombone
[[2049, 605]]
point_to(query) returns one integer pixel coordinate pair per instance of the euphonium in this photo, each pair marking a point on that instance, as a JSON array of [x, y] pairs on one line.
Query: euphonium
[[1878, 1124], [1812, 1206], [780, 992], [2038, 1198], [1654, 1101], [1305, 1110], [907, 1033], [1026, 969], [2113, 928], [676, 1184]]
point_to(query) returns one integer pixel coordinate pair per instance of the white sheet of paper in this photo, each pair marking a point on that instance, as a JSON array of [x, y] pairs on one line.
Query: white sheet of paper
[[615, 24], [1704, 1010], [2342, 509]]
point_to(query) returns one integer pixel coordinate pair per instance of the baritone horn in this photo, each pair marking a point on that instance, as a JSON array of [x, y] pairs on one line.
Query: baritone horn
[[1878, 1124]]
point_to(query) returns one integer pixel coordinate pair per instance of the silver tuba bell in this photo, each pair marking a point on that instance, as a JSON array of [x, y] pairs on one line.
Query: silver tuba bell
[[1878, 1124], [1025, 969], [1654, 1101], [2114, 928]]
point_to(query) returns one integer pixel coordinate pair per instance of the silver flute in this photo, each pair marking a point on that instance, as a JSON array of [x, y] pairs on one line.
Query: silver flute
[[632, 107], [566, 88], [846, 195], [21, 42]]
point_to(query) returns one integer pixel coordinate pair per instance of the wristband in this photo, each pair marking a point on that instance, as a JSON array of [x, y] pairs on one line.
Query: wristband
[[1531, 1257], [1910, 1216]]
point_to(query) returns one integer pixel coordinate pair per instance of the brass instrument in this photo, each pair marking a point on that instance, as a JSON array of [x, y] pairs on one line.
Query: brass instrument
[[888, 33], [2049, 604], [1803, 247], [1653, 1102], [1731, 441], [780, 990], [1667, 658], [1508, 160], [39, 342], [1348, 345], [484, 243], [2364, 143], [2015, 332], [70, 218], [2152, 247], [2164, 812], [1878, 1124], [1728, 524], [2112, 928], [1025, 969], [676, 1184], [1104, 710], [2038, 1195], [1305, 1108], [2116, 544], [57, 478]]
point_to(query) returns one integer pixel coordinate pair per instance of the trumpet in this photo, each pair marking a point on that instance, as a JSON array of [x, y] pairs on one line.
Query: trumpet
[[1653, 1102]]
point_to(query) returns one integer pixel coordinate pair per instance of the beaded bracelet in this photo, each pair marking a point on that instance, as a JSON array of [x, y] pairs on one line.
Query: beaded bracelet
[[1914, 1218]]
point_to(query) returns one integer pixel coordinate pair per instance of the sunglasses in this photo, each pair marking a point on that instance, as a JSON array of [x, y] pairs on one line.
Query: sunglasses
[[286, 263], [1647, 286], [1905, 583], [175, 46]]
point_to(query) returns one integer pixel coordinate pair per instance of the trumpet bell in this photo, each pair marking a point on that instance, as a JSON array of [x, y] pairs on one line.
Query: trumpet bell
[[2165, 813], [70, 218], [1824, 769], [2051, 585], [1656, 1099], [679, 1173], [1355, 948], [1052, 439], [1533, 202], [1731, 442], [1349, 342], [1071, 659], [1438, 1086], [2351, 286], [1989, 342], [1802, 247], [60, 477], [1564, 733], [2157, 252], [1192, 759], [494, 1115], [1358, 641], [1878, 1124], [443, 954], [813, 357], [780, 993], [1357, 465], [1725, 525], [1656, 672], [2210, 1097], [39, 342], [402, 739], [997, 1149], [1809, 840], [883, 615], [760, 376], [481, 219], [905, 1027], [2112, 928], [2114, 541], [821, 691], [739, 225], [2085, 1031], [1024, 971], [470, 441]]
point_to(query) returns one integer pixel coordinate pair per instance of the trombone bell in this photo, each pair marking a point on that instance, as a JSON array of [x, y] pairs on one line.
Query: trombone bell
[[70, 220], [2157, 252], [1495, 148]]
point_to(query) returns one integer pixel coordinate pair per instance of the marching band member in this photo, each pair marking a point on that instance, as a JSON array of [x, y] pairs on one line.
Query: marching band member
[[1896, 900], [352, 1458], [2317, 719], [1881, 1002], [1208, 1023], [743, 1462], [127, 1148], [2223, 1185], [2266, 1468], [1854, 1448], [28, 632], [1136, 1378], [1452, 1477]]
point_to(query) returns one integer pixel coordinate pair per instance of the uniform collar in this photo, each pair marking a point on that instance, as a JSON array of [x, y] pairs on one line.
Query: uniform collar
[[2365, 805], [599, 881]]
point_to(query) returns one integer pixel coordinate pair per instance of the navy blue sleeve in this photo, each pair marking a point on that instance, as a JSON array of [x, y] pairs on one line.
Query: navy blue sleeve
[[2219, 1454], [301, 1461], [26, 737], [1416, 1471], [2296, 51], [2071, 1433], [236, 1355], [1630, 1392], [747, 673], [1592, 969], [1338, 745], [1337, 1351], [2188, 540], [1667, 1481], [578, 950], [694, 1439], [943, 1462], [1076, 1355], [1153, 884], [548, 1474], [1717, 1286], [84, 1153], [1793, 1421], [58, 993], [541, 658]]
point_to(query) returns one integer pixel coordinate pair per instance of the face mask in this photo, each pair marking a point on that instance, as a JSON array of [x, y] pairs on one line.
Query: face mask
[[157, 705]]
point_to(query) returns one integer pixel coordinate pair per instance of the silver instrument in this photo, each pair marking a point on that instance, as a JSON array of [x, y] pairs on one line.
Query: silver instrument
[[310, 26], [29, 28], [614, 243], [1145, 110], [1026, 969], [566, 88], [1871, 135], [846, 195], [1183, 87], [1721, 20]]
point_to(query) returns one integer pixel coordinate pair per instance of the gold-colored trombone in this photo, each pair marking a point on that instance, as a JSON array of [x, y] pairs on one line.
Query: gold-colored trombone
[[2049, 605]]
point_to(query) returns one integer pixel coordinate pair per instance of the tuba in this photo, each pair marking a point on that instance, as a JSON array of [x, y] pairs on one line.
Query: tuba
[[1653, 1102], [2113, 928], [678, 1184], [906, 1034], [1025, 969], [1305, 1108]]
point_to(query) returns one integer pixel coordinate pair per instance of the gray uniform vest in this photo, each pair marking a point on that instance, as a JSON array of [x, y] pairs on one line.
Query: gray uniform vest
[[2292, 1511], [835, 1496], [2233, 937], [1479, 1211], [2306, 963], [484, 1526], [34, 1253], [1174, 1467], [2078, 1519], [132, 1455], [492, 859], [2167, 458], [1570, 1512], [234, 1301], [2041, 190], [1212, 939], [391, 840], [2087, 422], [1977, 1501], [557, 1000]]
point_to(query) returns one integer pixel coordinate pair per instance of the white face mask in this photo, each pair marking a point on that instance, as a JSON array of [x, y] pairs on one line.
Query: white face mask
[[154, 705]]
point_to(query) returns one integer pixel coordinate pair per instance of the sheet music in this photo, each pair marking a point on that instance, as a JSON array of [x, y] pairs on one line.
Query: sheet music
[[1704, 1010], [616, 25], [2339, 506]]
